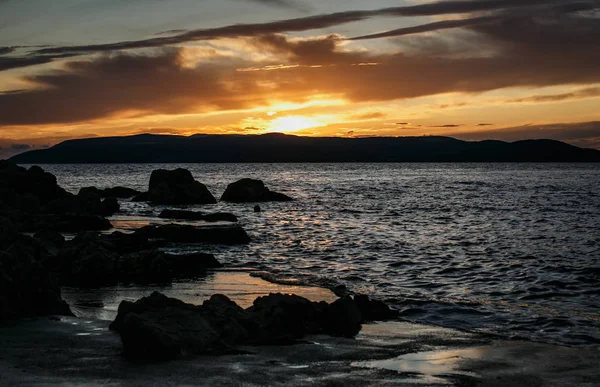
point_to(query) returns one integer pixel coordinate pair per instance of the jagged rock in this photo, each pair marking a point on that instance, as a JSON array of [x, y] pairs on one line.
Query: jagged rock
[[145, 267], [115, 192], [89, 261], [176, 233], [286, 317], [143, 197], [251, 190], [193, 215], [53, 241], [374, 310], [343, 318], [177, 187], [27, 280], [155, 267], [158, 328], [131, 243]]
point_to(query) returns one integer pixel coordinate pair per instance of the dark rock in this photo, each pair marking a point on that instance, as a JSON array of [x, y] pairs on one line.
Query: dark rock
[[191, 265], [257, 208], [175, 233], [286, 317], [159, 328], [193, 215], [110, 206], [177, 187], [374, 310], [88, 261], [145, 267], [29, 286], [115, 192], [251, 190], [156, 267], [143, 197], [76, 223], [53, 241], [343, 318], [131, 243]]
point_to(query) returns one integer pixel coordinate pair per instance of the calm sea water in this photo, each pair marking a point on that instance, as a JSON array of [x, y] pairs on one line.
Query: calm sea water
[[512, 249]]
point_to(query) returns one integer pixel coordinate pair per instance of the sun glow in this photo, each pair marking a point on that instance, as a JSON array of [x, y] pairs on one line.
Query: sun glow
[[292, 124]]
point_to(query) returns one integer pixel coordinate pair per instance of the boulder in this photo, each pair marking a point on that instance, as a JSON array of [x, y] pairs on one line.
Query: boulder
[[251, 190], [193, 215], [157, 267], [88, 261], [29, 285], [286, 317], [177, 187], [145, 267], [343, 318], [176, 233], [131, 243], [142, 197], [158, 328], [115, 192], [374, 310]]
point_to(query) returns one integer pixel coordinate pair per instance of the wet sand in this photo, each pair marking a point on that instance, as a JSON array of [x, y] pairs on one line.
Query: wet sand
[[69, 351]]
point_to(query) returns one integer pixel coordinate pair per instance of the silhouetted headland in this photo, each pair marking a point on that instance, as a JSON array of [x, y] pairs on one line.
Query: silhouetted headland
[[147, 148]]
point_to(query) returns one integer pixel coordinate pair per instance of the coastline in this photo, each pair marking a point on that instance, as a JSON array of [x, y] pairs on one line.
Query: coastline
[[81, 350]]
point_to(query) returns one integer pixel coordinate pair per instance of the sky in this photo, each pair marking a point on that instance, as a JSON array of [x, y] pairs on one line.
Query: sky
[[471, 69]]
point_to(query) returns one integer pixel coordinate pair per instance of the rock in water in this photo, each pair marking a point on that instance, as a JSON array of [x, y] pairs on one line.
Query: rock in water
[[374, 310], [115, 192], [194, 215], [251, 190], [158, 328], [176, 233], [177, 187]]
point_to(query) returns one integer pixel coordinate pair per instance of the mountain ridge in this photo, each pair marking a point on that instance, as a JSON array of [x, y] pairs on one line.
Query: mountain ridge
[[277, 147]]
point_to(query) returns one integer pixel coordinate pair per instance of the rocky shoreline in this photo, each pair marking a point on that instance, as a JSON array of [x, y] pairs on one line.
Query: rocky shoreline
[[335, 342]]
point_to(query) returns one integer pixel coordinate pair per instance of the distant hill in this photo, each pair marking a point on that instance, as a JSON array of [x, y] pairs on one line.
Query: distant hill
[[147, 148]]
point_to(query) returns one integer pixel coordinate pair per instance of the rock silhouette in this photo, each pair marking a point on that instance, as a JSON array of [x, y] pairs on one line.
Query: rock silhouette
[[251, 190], [194, 215], [177, 187], [114, 192], [29, 286], [157, 327]]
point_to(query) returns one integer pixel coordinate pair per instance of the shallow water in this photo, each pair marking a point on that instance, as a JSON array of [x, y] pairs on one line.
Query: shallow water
[[512, 249]]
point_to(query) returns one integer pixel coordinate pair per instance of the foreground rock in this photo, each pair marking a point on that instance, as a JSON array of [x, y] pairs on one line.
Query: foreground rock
[[157, 327], [28, 285], [33, 201], [251, 190], [175, 233], [177, 187], [91, 260], [193, 215]]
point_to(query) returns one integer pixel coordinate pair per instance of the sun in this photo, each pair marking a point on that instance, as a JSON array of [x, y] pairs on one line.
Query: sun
[[292, 124]]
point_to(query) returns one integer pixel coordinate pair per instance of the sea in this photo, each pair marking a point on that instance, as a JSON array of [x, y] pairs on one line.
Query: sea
[[503, 248]]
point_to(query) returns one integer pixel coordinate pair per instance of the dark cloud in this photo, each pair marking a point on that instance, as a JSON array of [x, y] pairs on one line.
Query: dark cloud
[[369, 116], [13, 62], [485, 124], [303, 24], [436, 26], [590, 92], [402, 123], [446, 126]]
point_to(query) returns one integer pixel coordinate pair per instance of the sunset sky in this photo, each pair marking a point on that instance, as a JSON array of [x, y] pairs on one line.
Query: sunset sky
[[475, 69]]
